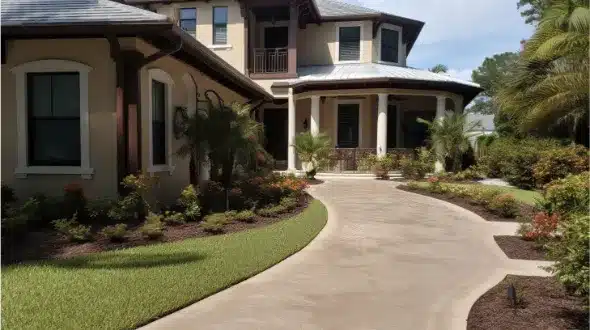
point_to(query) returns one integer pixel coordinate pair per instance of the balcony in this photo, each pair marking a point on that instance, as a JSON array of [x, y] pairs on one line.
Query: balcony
[[270, 60]]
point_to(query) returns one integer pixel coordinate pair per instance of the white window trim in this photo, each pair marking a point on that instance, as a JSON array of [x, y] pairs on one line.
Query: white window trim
[[165, 78], [177, 13], [349, 101], [400, 52], [337, 50], [51, 65], [213, 45], [220, 47]]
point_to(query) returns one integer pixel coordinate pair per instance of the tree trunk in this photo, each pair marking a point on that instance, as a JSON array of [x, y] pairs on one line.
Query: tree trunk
[[193, 171], [226, 176]]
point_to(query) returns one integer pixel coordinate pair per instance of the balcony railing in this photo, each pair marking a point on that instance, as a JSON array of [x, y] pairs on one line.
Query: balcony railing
[[270, 60], [354, 159]]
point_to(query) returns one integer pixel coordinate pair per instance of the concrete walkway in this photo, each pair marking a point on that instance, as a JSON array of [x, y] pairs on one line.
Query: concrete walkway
[[387, 259]]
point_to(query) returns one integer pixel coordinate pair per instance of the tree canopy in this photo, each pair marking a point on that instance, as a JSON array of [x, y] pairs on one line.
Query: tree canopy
[[532, 10], [490, 75], [439, 68]]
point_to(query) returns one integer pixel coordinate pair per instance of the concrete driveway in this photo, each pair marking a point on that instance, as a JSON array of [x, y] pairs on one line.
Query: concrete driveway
[[387, 259]]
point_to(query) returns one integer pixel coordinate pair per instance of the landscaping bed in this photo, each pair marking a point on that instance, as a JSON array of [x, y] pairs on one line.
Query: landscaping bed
[[515, 247], [48, 244], [542, 304]]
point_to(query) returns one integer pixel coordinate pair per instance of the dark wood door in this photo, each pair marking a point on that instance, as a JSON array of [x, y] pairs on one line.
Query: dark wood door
[[275, 130], [348, 126], [276, 37]]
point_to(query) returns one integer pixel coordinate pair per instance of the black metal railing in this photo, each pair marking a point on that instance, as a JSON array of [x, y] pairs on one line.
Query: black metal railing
[[270, 60], [357, 159]]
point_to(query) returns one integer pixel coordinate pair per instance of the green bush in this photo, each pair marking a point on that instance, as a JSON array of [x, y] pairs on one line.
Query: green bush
[[417, 168], [482, 196], [382, 166], [174, 218], [74, 201], [152, 231], [188, 196], [192, 212], [245, 216], [74, 231], [288, 203], [557, 163], [19, 220], [272, 211], [230, 215], [98, 209], [8, 198], [214, 223], [572, 254], [130, 207], [569, 195], [115, 233], [504, 205], [366, 162]]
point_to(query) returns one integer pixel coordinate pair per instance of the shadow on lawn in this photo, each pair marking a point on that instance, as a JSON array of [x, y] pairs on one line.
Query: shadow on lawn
[[130, 260]]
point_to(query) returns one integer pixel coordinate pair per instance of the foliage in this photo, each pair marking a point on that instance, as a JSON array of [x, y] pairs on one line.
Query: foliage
[[532, 10], [152, 227], [572, 254], [74, 201], [470, 174], [417, 168], [313, 151], [130, 207], [18, 220], [192, 212], [98, 209], [289, 203], [439, 68], [272, 211], [245, 216], [230, 215], [490, 75], [366, 162], [558, 163], [383, 164], [214, 223], [174, 218], [213, 197], [482, 196], [569, 195], [541, 228], [291, 185], [504, 205], [115, 233], [8, 198], [188, 196], [74, 231], [448, 137]]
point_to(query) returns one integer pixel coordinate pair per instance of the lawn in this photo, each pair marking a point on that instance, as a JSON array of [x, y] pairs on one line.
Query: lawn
[[525, 196], [127, 288]]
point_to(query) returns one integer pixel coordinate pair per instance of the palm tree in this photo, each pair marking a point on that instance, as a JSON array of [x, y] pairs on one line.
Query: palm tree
[[193, 131], [448, 137], [313, 151], [439, 68], [550, 83]]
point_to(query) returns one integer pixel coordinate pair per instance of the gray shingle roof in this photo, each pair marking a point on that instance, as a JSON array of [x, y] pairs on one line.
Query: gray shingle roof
[[369, 71], [33, 12], [329, 8]]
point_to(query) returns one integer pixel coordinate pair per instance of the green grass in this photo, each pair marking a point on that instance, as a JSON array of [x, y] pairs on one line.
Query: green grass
[[127, 288], [525, 196]]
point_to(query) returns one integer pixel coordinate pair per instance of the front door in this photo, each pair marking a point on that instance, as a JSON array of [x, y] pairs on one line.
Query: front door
[[275, 130], [348, 126]]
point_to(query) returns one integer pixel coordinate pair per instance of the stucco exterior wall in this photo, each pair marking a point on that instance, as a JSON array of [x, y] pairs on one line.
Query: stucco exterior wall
[[101, 100]]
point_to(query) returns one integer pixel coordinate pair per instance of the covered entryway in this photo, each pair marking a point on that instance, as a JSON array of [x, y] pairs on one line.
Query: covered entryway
[[275, 130]]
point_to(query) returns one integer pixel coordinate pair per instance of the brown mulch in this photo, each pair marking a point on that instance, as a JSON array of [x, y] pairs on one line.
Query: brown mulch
[[524, 209], [517, 248], [48, 244], [543, 304]]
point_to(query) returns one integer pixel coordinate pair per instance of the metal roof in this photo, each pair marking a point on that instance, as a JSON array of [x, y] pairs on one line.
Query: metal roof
[[33, 12], [330, 8], [368, 71]]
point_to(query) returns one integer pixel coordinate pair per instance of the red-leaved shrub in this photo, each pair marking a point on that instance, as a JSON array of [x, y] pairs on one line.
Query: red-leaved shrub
[[542, 227]]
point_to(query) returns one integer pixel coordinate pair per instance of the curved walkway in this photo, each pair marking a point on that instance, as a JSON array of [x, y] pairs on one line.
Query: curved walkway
[[387, 259]]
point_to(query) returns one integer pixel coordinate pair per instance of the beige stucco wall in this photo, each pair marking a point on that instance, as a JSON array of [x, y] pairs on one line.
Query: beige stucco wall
[[101, 99], [234, 54]]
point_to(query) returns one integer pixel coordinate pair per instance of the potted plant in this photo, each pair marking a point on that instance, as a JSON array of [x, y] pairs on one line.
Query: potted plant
[[313, 152]]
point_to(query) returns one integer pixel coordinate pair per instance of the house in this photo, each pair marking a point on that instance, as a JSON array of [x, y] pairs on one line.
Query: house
[[331, 67], [90, 90], [485, 126]]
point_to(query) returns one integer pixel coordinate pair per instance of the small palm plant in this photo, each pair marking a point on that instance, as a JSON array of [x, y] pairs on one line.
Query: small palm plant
[[448, 137], [313, 151]]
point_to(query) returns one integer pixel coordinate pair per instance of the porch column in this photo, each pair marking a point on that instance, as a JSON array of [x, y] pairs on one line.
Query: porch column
[[291, 131], [382, 125], [440, 114], [398, 127], [315, 115]]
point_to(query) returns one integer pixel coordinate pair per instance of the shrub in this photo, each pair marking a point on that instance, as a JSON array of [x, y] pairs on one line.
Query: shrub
[[366, 162], [130, 207], [541, 228], [8, 198], [188, 196], [18, 220], [115, 233], [236, 198], [504, 205], [74, 201], [212, 198], [571, 194], [558, 163], [313, 151], [154, 218], [98, 209], [192, 212], [482, 196], [245, 216], [214, 223], [291, 185], [470, 174], [152, 231], [79, 233], [174, 218], [140, 186], [434, 185], [49, 209], [572, 254], [417, 168], [289, 203], [70, 228], [272, 211], [382, 166], [230, 215]]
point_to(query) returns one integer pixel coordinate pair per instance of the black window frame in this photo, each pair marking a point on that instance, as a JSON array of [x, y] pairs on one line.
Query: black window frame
[[356, 138], [387, 49], [32, 119], [220, 25], [341, 42], [181, 20], [159, 141]]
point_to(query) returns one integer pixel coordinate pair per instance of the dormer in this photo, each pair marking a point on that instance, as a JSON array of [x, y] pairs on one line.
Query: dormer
[[388, 45]]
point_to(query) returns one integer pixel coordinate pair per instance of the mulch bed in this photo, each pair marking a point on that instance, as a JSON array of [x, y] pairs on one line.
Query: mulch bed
[[50, 245], [524, 209], [517, 248], [544, 304]]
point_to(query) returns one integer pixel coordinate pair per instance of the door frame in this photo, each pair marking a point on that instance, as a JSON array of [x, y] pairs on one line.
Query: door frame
[[360, 120], [262, 27]]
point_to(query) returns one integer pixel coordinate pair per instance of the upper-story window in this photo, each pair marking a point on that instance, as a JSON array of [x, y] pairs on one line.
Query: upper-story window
[[219, 25], [390, 45], [349, 43], [188, 20]]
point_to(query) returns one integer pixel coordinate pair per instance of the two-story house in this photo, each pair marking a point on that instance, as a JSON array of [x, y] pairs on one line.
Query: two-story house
[[332, 67]]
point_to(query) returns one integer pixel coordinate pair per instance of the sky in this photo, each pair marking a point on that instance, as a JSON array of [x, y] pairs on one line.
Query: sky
[[458, 33]]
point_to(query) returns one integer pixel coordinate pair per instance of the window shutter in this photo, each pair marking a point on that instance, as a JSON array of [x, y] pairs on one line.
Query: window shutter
[[349, 40]]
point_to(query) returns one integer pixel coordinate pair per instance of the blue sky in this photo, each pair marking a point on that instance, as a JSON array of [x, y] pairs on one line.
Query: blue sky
[[458, 33]]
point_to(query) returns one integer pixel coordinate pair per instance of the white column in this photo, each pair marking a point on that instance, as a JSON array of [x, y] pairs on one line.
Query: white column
[[382, 125], [398, 127], [315, 115], [440, 114], [291, 132]]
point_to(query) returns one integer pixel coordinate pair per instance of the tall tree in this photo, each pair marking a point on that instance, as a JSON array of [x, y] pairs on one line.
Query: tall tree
[[532, 10], [490, 75], [439, 68]]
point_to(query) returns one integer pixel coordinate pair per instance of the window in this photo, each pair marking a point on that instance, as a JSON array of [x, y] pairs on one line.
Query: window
[[53, 119], [348, 125], [219, 25], [349, 41], [159, 123], [390, 45], [188, 20]]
